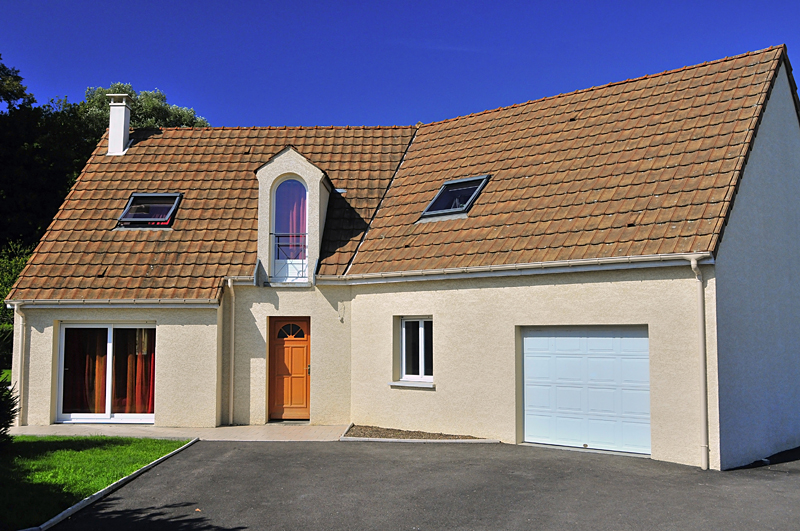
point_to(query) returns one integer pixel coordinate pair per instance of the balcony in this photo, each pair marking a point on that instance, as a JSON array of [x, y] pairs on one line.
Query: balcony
[[290, 257]]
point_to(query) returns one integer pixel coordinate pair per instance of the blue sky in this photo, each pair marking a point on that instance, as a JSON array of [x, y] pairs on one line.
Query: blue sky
[[371, 63]]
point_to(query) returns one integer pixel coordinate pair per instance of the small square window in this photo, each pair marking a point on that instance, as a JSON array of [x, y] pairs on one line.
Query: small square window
[[150, 210], [456, 196], [416, 350]]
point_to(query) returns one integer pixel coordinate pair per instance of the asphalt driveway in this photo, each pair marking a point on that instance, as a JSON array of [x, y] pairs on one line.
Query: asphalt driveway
[[256, 485]]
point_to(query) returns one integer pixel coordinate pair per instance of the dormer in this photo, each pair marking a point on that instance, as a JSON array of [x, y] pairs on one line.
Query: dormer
[[292, 203]]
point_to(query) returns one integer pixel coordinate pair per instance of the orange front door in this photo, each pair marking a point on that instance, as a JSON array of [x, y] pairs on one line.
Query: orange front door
[[289, 367]]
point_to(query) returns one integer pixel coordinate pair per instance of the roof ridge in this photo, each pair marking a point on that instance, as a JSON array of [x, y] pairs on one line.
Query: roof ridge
[[278, 127], [613, 83]]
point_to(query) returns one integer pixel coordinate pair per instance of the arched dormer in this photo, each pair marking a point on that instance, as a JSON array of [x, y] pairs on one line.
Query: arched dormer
[[292, 203]]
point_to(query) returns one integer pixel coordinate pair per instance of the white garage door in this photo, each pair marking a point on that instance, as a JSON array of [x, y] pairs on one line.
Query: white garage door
[[587, 387]]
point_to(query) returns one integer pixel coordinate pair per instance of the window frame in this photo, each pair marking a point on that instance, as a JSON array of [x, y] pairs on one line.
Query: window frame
[[276, 265], [481, 185], [421, 377], [150, 223], [108, 416]]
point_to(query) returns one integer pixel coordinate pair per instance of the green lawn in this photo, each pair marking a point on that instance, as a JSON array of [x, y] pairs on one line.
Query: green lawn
[[5, 375], [42, 476]]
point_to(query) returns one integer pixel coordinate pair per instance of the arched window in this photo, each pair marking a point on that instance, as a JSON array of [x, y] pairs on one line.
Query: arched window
[[289, 231]]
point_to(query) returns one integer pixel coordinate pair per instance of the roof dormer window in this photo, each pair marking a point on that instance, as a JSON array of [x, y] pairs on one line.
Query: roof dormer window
[[150, 210], [456, 196]]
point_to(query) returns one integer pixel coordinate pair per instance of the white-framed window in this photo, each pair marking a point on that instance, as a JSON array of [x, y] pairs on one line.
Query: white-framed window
[[106, 373], [416, 349], [289, 232]]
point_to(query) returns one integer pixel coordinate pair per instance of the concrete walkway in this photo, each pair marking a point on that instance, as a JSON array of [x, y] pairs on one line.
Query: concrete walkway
[[268, 432]]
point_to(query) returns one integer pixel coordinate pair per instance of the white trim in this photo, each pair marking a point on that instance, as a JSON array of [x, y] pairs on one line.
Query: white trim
[[116, 303], [97, 418], [273, 265], [413, 384], [415, 378], [535, 268]]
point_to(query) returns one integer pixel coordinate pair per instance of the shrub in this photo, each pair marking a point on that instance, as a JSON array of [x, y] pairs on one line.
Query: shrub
[[9, 408]]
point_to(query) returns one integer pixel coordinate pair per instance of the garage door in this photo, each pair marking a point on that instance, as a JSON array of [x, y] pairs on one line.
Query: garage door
[[587, 387]]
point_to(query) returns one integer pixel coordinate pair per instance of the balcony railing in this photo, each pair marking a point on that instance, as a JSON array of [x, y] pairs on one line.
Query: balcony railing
[[290, 257]]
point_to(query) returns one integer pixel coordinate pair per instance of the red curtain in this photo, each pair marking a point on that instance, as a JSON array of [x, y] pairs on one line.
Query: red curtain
[[290, 218], [85, 354], [134, 370]]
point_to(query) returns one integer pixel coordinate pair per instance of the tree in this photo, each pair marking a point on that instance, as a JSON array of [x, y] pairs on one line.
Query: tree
[[12, 91], [43, 149], [149, 109]]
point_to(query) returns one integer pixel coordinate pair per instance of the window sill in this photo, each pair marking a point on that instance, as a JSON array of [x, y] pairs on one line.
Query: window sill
[[413, 385], [290, 284]]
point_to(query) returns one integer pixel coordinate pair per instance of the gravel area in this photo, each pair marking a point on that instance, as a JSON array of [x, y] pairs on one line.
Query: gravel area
[[374, 432]]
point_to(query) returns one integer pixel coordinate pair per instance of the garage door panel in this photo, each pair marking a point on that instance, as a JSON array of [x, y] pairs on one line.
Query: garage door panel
[[565, 344], [636, 437], [602, 370], [569, 368], [636, 402], [569, 398], [601, 432], [599, 344], [537, 344], [538, 397], [635, 371], [601, 401], [537, 368], [569, 429], [592, 383], [539, 428], [635, 343]]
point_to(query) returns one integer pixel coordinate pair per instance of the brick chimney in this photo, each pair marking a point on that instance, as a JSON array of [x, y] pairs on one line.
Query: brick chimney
[[119, 123]]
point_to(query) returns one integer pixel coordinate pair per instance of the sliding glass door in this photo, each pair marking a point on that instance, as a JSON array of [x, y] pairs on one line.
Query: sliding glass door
[[107, 373]]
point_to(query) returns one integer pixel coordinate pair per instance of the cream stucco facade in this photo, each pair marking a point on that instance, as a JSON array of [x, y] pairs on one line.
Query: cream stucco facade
[[354, 351]]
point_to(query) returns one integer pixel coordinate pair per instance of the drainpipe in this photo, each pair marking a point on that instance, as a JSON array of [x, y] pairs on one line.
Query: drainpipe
[[233, 343], [21, 376], [701, 320]]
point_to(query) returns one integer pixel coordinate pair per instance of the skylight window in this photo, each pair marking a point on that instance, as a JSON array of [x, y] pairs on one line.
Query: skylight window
[[456, 196], [150, 210]]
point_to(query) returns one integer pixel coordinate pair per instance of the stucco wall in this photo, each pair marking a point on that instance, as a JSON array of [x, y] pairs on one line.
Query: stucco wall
[[329, 310], [187, 368], [477, 356], [758, 294]]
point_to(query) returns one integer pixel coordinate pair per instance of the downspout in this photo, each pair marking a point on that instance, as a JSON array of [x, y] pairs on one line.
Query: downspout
[[701, 320], [232, 348], [21, 382]]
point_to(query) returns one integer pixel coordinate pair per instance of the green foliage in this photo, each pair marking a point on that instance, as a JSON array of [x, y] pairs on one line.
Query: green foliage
[[42, 476], [9, 407], [149, 109], [13, 258], [12, 92]]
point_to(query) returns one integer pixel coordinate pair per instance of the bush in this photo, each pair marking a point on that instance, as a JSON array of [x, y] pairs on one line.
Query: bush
[[9, 408]]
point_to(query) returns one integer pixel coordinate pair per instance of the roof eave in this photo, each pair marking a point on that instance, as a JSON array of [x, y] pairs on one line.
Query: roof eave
[[535, 268]]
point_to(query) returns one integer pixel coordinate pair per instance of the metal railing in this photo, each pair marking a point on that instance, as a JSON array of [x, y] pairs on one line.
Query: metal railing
[[290, 256]]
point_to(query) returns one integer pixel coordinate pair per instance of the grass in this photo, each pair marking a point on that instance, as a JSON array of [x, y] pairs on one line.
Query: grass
[[5, 375], [42, 476]]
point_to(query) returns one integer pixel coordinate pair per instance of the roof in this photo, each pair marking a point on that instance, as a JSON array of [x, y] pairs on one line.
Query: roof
[[640, 167], [216, 229]]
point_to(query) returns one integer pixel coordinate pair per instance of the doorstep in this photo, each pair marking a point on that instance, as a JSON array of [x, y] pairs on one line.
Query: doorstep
[[267, 432]]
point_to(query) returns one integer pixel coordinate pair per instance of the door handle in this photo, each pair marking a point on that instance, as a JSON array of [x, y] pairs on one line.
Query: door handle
[[309, 370]]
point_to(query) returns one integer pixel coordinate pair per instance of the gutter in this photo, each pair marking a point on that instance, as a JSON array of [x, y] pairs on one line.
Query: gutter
[[232, 348], [534, 268], [703, 359], [114, 303], [21, 374]]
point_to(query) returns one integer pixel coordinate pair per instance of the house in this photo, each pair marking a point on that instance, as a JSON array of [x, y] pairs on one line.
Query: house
[[613, 268]]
